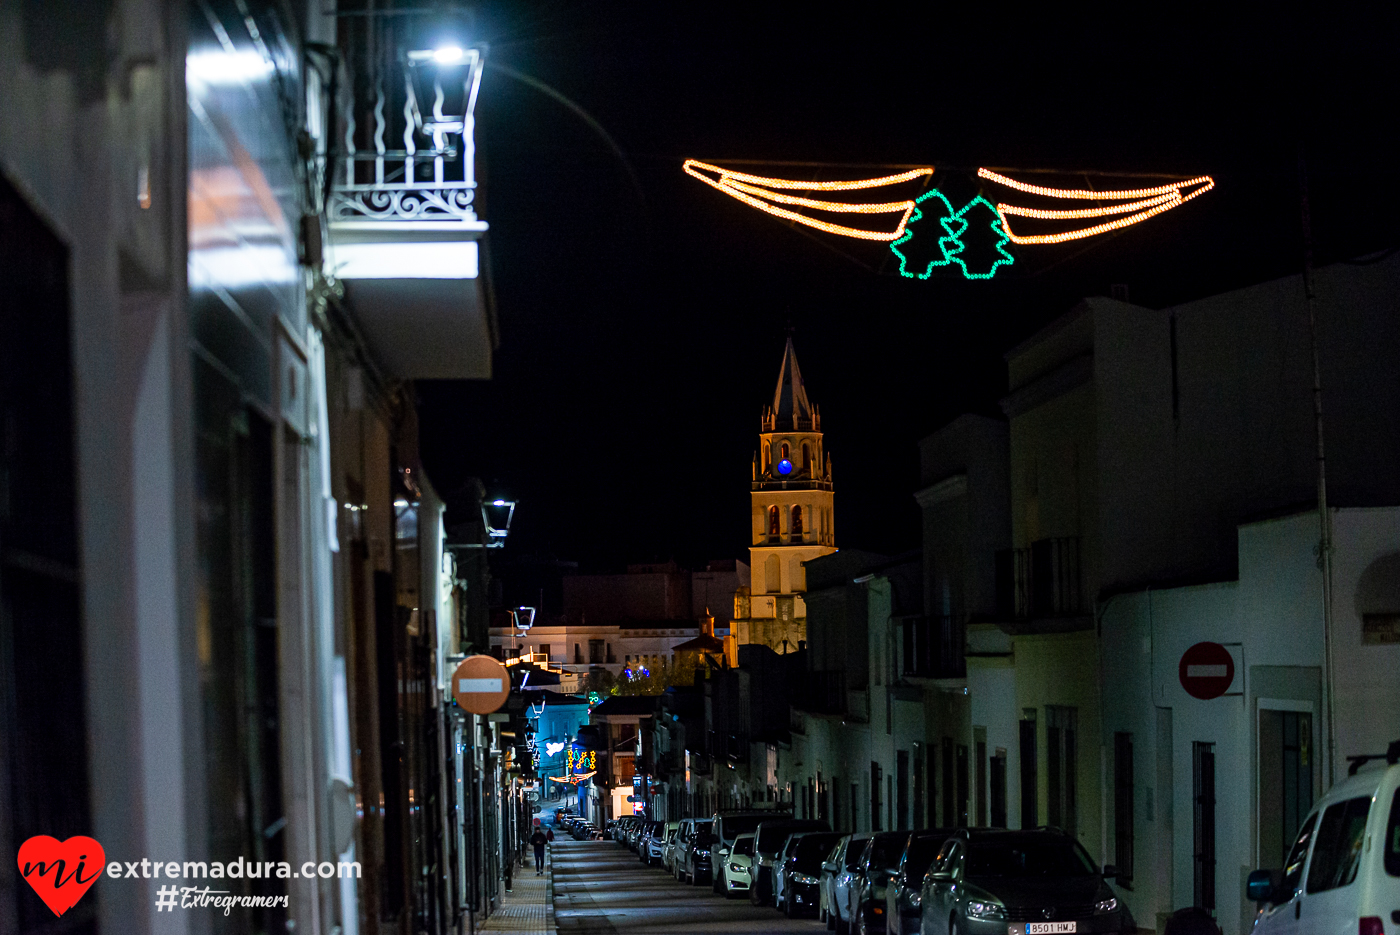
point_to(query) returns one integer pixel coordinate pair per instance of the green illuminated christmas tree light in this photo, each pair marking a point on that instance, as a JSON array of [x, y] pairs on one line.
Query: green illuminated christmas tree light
[[977, 219]]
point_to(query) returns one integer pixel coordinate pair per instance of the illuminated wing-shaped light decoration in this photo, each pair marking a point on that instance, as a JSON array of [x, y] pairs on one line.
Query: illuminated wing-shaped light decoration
[[1135, 205], [759, 192], [984, 226]]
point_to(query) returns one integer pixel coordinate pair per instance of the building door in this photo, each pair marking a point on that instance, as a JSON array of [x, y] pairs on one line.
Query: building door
[[901, 794], [43, 724], [1203, 808], [1030, 814], [997, 793], [1062, 767], [1285, 781]]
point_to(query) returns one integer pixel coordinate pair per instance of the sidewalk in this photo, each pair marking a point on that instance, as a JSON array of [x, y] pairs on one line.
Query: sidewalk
[[529, 907]]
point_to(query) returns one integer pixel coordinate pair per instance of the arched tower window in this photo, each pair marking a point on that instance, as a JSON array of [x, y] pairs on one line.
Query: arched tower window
[[785, 451], [767, 456], [771, 582], [773, 521], [796, 522], [806, 457]]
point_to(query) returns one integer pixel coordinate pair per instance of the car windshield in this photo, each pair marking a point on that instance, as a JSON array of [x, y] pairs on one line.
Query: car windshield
[[772, 834], [701, 827], [920, 856], [1027, 855], [886, 851], [812, 849], [744, 845], [731, 826]]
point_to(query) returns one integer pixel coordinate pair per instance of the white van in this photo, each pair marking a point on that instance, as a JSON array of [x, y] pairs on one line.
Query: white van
[[1342, 875]]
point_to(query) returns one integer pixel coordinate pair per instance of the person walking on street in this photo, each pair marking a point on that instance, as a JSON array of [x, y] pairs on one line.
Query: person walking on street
[[539, 840]]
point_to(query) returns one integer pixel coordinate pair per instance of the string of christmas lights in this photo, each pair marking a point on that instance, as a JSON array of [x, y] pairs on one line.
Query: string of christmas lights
[[752, 190]]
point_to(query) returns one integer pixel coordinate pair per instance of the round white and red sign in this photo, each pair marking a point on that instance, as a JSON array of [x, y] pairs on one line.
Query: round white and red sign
[[1207, 671], [481, 684]]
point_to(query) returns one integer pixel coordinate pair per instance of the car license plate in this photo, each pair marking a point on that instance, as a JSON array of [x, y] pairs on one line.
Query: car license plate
[[1050, 928]]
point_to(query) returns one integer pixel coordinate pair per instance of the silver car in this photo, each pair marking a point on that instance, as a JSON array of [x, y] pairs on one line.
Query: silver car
[[837, 873]]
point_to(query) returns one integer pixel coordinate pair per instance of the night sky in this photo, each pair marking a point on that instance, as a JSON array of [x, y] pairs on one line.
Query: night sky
[[643, 314]]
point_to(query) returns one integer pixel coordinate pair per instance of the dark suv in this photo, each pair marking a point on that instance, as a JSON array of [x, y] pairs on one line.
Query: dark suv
[[986, 881]]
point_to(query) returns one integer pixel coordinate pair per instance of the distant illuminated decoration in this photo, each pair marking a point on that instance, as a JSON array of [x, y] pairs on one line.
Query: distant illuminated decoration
[[930, 233], [552, 749]]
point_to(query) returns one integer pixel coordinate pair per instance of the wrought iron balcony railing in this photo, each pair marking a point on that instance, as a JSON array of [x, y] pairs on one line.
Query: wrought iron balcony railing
[[1041, 581], [426, 113], [934, 647]]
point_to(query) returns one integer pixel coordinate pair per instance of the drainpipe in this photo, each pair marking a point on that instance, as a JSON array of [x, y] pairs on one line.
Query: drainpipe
[[1323, 514]]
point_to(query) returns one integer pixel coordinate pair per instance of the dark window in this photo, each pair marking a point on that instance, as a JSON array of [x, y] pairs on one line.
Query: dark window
[[901, 793], [1123, 805], [981, 748], [963, 784], [875, 774], [1392, 838], [855, 805], [998, 790], [797, 522], [1203, 776], [595, 652], [785, 452], [1337, 852], [835, 785], [949, 783], [772, 521], [1030, 817], [918, 787], [807, 458], [544, 648], [578, 655]]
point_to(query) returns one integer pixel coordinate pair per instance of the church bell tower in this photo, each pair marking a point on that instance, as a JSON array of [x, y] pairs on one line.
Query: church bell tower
[[791, 516]]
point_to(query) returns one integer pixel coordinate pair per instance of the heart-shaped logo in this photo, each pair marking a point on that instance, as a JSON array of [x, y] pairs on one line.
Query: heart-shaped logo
[[61, 871]]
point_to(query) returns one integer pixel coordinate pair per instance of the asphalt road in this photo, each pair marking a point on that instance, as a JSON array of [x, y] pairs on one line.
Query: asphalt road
[[601, 887]]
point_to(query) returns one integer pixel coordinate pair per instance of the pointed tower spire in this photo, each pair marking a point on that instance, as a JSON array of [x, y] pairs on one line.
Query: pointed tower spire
[[791, 409]]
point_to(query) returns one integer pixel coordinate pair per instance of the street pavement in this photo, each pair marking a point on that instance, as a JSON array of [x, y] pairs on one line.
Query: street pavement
[[601, 887]]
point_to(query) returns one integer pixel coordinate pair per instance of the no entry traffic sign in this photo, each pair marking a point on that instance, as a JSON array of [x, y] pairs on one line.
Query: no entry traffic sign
[[1207, 670], [481, 684]]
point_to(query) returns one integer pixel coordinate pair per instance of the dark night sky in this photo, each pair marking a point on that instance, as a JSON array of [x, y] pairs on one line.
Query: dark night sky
[[641, 334]]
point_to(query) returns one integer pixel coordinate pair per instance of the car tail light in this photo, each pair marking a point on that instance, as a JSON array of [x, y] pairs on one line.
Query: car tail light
[[1372, 925]]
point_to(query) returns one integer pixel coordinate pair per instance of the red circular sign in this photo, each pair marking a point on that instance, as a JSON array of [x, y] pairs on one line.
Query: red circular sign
[[1207, 670]]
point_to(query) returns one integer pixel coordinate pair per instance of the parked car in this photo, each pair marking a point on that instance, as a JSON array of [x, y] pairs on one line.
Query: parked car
[[728, 825], [990, 880], [904, 891], [797, 877], [738, 867], [841, 868], [1343, 871], [696, 860], [654, 843], [672, 850], [867, 890], [769, 837], [683, 836], [634, 833]]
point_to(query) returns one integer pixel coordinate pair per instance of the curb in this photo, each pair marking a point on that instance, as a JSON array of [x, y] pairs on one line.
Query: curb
[[549, 892]]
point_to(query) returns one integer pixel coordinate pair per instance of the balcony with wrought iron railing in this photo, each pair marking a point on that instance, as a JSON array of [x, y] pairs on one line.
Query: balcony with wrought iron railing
[[1041, 582], [933, 647], [405, 234]]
